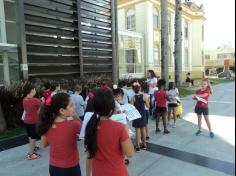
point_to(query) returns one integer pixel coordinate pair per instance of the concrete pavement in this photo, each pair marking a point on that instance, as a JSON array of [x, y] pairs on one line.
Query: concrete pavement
[[181, 140]]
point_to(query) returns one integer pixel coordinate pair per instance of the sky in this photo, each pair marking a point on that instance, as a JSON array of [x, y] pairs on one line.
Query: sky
[[220, 24]]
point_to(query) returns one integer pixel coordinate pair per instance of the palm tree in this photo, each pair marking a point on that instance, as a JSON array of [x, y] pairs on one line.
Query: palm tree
[[178, 43]]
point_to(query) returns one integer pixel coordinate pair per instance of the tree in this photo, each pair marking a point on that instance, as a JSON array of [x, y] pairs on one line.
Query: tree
[[164, 40], [178, 43]]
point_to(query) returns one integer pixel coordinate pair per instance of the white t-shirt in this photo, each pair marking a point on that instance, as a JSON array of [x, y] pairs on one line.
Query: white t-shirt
[[173, 94], [126, 96], [131, 94], [152, 81]]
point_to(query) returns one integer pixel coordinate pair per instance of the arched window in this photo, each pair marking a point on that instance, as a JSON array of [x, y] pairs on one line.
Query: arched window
[[156, 18], [130, 19]]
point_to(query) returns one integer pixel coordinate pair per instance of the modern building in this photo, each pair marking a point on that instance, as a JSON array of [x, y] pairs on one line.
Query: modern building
[[58, 39], [143, 18], [218, 58]]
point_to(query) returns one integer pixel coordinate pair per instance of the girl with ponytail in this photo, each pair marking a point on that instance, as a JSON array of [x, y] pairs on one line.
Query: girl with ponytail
[[60, 134], [107, 142]]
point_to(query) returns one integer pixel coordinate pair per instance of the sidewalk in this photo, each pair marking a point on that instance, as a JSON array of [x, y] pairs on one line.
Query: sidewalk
[[180, 153]]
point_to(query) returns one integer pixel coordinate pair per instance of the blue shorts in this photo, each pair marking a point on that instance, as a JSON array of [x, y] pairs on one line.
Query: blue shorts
[[202, 111]]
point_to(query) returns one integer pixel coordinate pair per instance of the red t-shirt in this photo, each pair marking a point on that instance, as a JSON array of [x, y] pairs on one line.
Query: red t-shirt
[[31, 107], [109, 159], [62, 139], [201, 92], [161, 98]]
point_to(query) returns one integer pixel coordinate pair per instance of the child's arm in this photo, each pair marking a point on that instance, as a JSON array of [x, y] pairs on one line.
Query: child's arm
[[147, 101], [132, 101], [43, 142]]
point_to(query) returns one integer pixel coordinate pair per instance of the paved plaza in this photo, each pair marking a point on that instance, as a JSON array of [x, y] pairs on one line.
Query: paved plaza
[[181, 153]]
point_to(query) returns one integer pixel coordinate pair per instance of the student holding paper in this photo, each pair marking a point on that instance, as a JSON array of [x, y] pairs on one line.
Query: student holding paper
[[61, 135], [202, 107], [107, 141], [139, 101]]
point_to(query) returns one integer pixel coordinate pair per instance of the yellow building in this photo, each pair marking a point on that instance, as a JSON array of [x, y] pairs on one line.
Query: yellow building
[[141, 48], [215, 59]]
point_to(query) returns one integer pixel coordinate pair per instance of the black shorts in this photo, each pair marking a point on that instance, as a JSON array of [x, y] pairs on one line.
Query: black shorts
[[31, 131], [160, 110], [56, 171], [202, 111], [173, 105]]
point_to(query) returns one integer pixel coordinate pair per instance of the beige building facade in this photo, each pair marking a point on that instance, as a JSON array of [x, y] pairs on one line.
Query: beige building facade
[[216, 59], [144, 17]]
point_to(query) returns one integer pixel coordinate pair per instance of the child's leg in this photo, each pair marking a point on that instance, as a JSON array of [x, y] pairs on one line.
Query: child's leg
[[158, 120], [199, 121], [32, 143], [208, 122], [143, 133], [174, 115], [147, 131], [138, 136], [169, 113], [164, 118]]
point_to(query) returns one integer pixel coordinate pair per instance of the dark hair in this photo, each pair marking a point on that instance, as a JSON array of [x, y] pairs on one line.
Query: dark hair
[[48, 114], [47, 85], [77, 88], [118, 91], [161, 82], [145, 87], [136, 89], [54, 86], [28, 87], [104, 105], [121, 84], [64, 87], [171, 85], [153, 75]]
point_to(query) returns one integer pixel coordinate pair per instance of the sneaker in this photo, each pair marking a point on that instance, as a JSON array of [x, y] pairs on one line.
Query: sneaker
[[166, 132], [127, 162], [198, 133], [137, 149], [212, 135], [158, 130], [174, 126], [144, 147], [33, 156]]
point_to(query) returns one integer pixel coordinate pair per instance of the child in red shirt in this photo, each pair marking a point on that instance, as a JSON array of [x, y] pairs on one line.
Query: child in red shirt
[[202, 106], [31, 107], [161, 97], [107, 141], [61, 135]]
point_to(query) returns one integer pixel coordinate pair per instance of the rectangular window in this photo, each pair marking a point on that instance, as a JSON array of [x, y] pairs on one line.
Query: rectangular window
[[156, 21], [11, 32], [10, 10], [131, 60], [1, 70], [186, 57], [208, 57], [156, 56], [131, 22]]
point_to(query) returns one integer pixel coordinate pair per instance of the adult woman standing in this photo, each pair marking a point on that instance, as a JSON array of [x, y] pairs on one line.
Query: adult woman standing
[[152, 83]]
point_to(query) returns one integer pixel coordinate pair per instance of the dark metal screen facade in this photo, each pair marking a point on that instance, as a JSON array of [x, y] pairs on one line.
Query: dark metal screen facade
[[67, 38]]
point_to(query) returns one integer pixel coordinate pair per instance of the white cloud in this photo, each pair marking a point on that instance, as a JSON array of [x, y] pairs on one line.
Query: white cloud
[[220, 24]]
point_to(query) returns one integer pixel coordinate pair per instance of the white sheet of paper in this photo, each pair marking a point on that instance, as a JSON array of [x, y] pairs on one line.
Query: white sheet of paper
[[201, 99], [120, 118], [127, 107], [87, 118], [133, 115]]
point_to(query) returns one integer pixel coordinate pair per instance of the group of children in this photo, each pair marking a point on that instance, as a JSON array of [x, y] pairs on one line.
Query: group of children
[[61, 114]]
